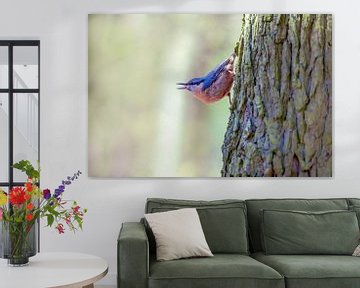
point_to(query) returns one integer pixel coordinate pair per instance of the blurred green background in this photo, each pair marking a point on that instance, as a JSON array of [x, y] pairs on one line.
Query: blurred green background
[[140, 125]]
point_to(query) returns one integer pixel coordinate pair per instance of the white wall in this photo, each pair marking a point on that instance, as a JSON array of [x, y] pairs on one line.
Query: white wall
[[62, 28]]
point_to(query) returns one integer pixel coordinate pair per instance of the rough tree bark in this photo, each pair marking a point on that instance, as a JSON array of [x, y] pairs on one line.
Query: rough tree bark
[[281, 124]]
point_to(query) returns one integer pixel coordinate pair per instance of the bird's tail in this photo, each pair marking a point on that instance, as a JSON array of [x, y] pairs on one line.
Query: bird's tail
[[232, 57]]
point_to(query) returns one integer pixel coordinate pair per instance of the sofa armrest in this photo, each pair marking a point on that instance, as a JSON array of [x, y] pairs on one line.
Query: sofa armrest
[[133, 256]]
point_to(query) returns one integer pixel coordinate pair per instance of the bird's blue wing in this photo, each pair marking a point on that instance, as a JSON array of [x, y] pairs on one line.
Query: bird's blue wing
[[210, 78], [196, 81]]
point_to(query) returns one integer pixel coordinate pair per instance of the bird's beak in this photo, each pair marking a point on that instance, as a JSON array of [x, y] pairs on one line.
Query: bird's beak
[[182, 87]]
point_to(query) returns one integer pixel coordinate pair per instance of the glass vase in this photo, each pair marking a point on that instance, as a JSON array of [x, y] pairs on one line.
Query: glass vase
[[18, 242]]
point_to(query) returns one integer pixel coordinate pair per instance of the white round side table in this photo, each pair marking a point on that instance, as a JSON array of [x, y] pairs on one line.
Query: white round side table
[[50, 270]]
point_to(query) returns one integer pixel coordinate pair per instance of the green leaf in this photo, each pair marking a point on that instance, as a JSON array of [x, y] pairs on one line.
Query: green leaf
[[79, 221], [50, 219], [28, 168]]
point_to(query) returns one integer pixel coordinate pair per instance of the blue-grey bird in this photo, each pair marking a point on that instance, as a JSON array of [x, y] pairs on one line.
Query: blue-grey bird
[[215, 85]]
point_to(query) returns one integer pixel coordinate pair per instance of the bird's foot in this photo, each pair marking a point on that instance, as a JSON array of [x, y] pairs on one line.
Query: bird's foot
[[231, 104]]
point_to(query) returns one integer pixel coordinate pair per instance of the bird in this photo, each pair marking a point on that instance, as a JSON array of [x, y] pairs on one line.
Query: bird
[[215, 85]]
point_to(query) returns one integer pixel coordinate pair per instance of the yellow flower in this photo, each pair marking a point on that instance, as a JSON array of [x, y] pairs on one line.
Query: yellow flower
[[3, 198]]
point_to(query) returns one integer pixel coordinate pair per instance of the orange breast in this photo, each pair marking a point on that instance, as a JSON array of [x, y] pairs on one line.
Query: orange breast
[[220, 88]]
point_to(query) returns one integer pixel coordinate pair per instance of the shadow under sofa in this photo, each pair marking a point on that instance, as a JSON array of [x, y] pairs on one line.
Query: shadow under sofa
[[232, 229]]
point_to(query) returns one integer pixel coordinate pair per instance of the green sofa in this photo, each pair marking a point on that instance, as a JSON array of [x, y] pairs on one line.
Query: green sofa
[[234, 232]]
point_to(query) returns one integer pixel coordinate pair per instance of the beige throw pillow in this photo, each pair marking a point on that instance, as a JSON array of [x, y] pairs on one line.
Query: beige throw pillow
[[178, 234], [357, 251]]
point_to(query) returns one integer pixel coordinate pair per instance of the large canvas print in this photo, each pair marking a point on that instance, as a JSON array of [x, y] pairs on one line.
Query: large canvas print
[[210, 95]]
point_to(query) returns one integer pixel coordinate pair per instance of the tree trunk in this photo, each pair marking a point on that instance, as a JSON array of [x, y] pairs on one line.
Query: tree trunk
[[281, 122]]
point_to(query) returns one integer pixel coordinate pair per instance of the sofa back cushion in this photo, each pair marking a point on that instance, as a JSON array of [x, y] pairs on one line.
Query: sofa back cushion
[[353, 202], [255, 206], [223, 221], [354, 205], [298, 232]]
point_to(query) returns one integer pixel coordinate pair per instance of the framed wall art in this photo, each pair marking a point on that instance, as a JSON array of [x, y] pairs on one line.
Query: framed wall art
[[210, 95]]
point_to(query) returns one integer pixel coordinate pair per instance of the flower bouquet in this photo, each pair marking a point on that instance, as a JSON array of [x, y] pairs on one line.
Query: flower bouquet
[[23, 206]]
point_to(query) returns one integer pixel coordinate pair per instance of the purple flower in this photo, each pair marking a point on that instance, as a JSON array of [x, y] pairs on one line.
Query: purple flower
[[58, 192], [46, 194], [68, 181]]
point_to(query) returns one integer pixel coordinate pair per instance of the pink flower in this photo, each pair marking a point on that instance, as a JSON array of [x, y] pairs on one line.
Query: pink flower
[[60, 228], [68, 219], [75, 209], [1, 212]]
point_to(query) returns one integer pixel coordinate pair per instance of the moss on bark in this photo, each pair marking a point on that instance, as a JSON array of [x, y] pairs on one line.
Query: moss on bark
[[281, 124]]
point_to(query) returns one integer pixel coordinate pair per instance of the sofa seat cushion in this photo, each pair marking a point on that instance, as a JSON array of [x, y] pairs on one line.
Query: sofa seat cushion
[[222, 270], [313, 271]]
